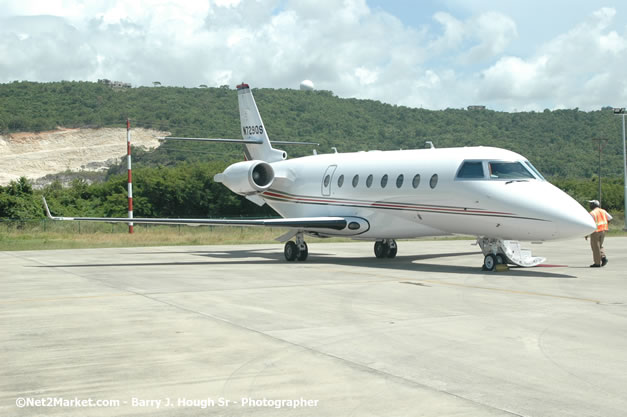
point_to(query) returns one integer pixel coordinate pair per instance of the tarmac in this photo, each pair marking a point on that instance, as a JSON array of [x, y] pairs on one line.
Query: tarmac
[[236, 330]]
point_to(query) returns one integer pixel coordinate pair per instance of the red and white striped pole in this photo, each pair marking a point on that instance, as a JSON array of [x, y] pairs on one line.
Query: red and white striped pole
[[130, 176]]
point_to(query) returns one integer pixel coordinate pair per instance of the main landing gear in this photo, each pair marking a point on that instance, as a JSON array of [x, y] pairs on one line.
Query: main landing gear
[[385, 248], [296, 250]]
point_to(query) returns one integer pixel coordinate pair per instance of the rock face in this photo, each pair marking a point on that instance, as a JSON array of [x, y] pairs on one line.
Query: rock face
[[34, 155]]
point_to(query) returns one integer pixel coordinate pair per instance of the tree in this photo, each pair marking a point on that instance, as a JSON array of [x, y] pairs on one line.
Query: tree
[[17, 201]]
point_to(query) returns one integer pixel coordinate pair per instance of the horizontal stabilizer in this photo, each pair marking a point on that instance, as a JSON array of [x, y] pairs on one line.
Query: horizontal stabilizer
[[242, 141]]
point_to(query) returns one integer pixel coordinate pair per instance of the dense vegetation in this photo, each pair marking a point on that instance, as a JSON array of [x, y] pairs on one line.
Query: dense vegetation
[[560, 143], [186, 190]]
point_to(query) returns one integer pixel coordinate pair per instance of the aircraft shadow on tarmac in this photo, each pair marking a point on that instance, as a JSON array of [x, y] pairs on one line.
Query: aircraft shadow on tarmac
[[410, 263]]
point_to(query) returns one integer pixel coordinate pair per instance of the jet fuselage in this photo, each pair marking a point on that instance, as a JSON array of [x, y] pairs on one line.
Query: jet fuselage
[[412, 193]]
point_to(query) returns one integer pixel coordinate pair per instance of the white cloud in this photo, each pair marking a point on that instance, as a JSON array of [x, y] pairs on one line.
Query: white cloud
[[581, 68], [454, 32], [482, 36], [342, 45], [513, 76], [366, 76], [612, 42], [494, 32]]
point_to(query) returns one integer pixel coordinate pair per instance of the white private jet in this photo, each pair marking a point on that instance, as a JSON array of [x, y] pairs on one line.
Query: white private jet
[[491, 193]]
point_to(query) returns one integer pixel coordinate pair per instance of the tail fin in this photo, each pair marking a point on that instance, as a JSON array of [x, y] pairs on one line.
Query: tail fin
[[253, 128]]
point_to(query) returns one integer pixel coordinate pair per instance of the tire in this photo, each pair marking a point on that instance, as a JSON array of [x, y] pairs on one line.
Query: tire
[[303, 252], [393, 250], [489, 262], [500, 259], [381, 249], [290, 251]]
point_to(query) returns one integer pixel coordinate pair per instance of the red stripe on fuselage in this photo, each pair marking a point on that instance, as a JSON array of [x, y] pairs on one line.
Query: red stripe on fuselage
[[415, 207]]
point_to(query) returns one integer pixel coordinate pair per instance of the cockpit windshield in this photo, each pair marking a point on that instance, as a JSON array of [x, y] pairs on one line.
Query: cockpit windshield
[[535, 171], [497, 170], [509, 171]]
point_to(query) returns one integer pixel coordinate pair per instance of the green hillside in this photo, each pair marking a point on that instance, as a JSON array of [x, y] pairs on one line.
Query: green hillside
[[558, 142], [176, 178]]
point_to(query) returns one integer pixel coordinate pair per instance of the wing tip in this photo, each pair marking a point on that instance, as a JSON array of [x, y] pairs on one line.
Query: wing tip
[[47, 208]]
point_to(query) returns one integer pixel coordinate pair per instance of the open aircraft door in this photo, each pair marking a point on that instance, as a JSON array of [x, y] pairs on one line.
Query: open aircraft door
[[327, 179]]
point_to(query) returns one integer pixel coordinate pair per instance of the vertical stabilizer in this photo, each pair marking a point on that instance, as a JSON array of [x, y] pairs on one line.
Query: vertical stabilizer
[[253, 128]]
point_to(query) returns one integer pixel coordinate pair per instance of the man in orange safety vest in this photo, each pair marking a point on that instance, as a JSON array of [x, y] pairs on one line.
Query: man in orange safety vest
[[602, 219]]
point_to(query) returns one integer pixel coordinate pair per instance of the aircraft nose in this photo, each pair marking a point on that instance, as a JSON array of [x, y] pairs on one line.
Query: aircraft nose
[[565, 217], [570, 218], [574, 223]]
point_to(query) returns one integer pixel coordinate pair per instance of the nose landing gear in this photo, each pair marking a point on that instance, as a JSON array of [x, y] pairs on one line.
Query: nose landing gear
[[490, 262], [385, 248], [497, 251], [296, 250]]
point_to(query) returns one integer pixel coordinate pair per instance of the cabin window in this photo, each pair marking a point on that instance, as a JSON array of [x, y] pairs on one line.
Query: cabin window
[[509, 171], [384, 181], [340, 180], [327, 180], [416, 181], [369, 180], [470, 170], [399, 181], [355, 180], [433, 181]]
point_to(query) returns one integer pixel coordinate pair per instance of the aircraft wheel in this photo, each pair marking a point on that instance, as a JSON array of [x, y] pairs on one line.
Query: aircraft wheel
[[489, 262], [381, 249], [290, 251], [500, 259], [393, 249], [303, 251]]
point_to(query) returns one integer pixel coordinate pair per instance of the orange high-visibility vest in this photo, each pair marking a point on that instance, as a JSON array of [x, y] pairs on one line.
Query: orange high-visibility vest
[[600, 218]]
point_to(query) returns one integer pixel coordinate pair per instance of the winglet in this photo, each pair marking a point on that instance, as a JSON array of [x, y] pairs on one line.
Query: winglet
[[47, 209]]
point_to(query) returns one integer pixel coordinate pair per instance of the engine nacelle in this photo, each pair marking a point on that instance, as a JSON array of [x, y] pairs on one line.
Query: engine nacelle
[[248, 177]]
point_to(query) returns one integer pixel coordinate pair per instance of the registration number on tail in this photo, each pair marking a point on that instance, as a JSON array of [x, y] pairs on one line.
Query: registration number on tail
[[253, 130]]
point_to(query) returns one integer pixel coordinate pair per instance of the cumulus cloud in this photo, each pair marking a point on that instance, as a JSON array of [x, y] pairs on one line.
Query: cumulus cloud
[[494, 31], [38, 48], [483, 36], [581, 68], [342, 45]]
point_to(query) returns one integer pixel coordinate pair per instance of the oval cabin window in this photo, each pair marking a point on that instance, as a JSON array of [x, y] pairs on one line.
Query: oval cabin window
[[434, 181], [399, 181], [416, 181]]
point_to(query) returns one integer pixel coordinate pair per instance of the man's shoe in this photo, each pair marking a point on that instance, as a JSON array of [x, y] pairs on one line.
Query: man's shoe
[[595, 266], [603, 261]]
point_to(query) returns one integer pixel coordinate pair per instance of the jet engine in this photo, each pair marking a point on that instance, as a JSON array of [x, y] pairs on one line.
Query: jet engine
[[247, 177]]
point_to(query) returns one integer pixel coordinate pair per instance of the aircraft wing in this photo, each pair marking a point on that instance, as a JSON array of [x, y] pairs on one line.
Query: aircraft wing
[[347, 225]]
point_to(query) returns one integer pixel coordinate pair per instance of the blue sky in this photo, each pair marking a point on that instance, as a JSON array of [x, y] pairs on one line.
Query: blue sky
[[508, 55], [537, 21]]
